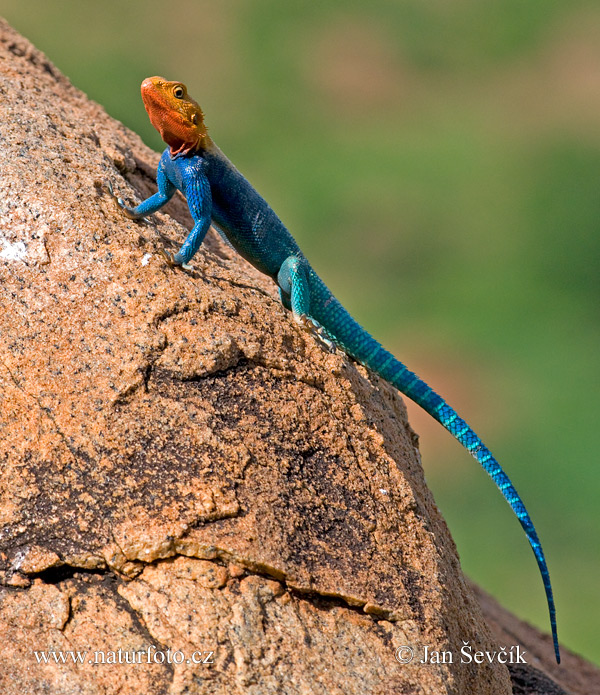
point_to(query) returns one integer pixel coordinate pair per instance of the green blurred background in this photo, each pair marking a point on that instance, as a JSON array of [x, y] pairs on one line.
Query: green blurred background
[[440, 165]]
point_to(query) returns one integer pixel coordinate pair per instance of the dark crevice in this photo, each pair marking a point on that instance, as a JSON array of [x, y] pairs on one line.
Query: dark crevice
[[244, 286], [146, 374], [168, 313], [322, 601], [243, 364], [160, 376], [59, 573], [326, 603]]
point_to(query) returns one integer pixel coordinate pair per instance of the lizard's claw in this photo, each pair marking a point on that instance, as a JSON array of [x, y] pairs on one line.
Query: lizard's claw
[[308, 324], [168, 256], [119, 202], [171, 262]]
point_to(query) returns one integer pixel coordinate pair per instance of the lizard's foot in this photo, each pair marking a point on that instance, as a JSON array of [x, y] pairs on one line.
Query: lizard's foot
[[170, 259], [168, 256], [308, 324], [120, 203]]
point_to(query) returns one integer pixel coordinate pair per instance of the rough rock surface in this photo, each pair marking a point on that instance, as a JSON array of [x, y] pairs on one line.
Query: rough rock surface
[[180, 468]]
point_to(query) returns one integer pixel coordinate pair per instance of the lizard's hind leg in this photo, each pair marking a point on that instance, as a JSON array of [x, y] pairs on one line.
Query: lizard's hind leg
[[294, 291], [293, 283]]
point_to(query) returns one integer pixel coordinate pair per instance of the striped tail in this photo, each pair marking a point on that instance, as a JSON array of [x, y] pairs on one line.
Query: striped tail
[[363, 347], [387, 366]]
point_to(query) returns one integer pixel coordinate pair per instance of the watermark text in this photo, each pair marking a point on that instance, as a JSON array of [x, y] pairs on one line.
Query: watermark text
[[467, 655], [151, 655]]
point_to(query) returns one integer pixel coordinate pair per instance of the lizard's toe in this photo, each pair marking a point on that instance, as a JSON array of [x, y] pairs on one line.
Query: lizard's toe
[[310, 325], [119, 202], [168, 256], [172, 260]]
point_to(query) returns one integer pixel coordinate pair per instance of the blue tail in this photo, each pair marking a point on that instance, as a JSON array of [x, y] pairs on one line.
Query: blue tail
[[417, 390], [363, 347]]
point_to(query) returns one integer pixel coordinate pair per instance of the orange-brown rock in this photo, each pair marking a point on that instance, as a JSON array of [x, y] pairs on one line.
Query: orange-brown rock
[[185, 475]]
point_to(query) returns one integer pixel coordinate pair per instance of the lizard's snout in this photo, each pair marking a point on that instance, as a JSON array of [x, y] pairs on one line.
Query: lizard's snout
[[150, 84]]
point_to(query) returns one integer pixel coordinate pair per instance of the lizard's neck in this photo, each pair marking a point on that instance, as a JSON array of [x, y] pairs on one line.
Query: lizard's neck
[[187, 149]]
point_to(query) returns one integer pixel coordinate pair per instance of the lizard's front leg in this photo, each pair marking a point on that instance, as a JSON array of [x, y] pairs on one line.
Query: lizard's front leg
[[294, 291], [165, 192], [190, 246], [197, 191]]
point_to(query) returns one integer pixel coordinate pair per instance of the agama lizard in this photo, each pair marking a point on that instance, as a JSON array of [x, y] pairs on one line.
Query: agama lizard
[[217, 193]]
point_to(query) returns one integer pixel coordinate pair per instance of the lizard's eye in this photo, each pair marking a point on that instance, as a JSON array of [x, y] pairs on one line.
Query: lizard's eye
[[178, 92]]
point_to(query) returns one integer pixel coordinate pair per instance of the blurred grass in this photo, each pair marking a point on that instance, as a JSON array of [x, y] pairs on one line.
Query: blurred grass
[[440, 165]]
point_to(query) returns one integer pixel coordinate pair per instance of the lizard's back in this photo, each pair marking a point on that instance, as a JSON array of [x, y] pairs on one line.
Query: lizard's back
[[244, 216]]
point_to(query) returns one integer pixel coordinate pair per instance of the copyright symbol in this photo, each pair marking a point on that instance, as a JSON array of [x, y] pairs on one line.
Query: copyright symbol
[[404, 654]]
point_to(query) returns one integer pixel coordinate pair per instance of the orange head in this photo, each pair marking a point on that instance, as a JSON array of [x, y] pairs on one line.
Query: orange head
[[175, 115]]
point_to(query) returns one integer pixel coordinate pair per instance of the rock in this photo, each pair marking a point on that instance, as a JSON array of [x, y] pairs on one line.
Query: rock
[[541, 675], [187, 481]]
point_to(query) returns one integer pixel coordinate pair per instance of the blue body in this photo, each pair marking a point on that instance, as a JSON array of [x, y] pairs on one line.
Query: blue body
[[216, 192]]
